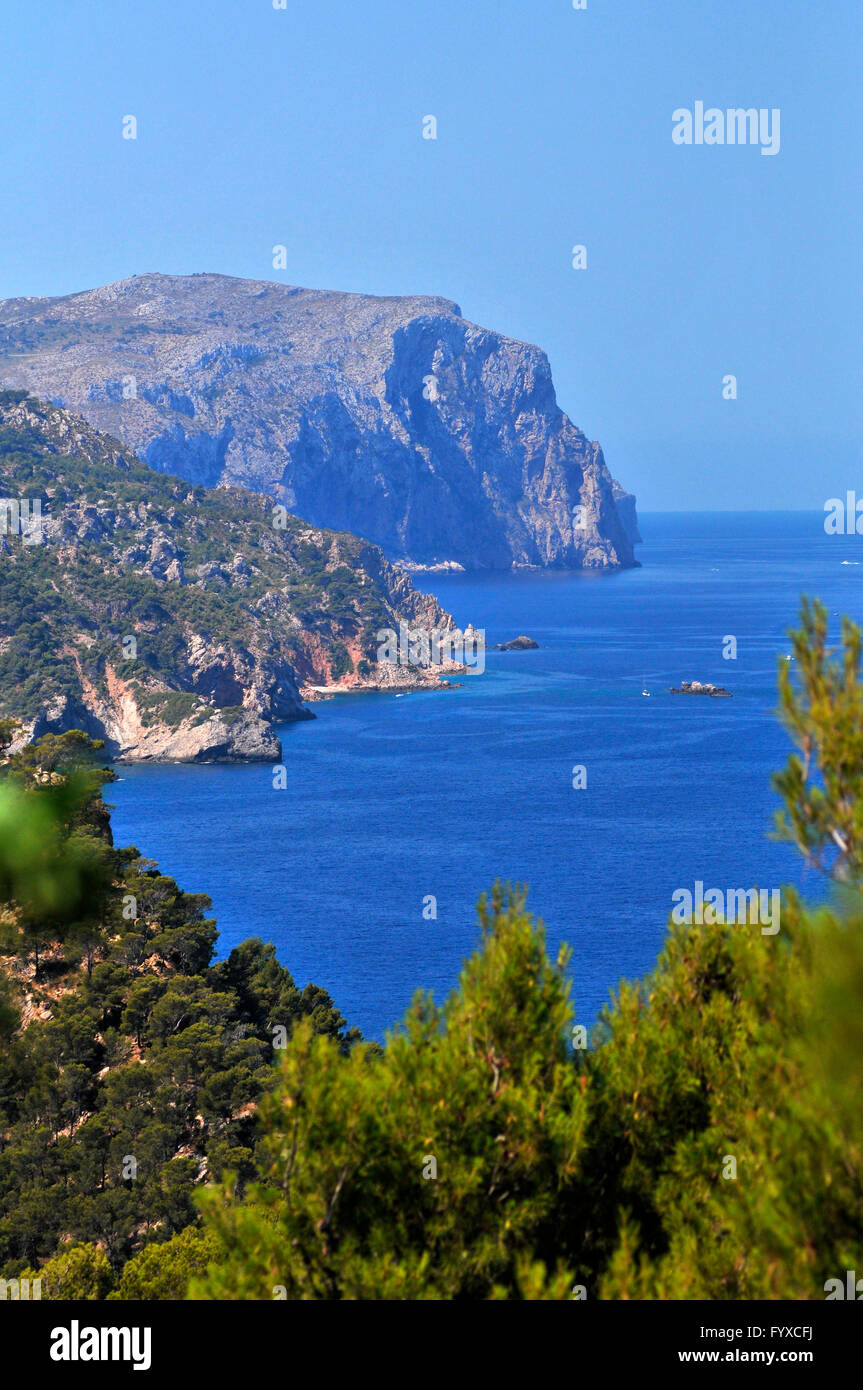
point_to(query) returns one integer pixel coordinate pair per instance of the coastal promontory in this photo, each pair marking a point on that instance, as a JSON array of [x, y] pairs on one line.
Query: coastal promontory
[[175, 622], [391, 417]]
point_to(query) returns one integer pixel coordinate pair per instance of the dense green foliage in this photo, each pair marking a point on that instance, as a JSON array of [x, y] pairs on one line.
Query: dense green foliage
[[708, 1147], [288, 590], [822, 785], [708, 1144], [141, 1063]]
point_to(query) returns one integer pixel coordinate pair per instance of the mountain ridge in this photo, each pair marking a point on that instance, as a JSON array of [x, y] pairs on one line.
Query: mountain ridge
[[389, 416]]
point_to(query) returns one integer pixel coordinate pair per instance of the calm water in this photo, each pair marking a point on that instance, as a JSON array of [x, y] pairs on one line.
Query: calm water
[[390, 799]]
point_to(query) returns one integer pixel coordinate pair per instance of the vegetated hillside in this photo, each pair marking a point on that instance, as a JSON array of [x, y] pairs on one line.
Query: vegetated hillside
[[392, 417], [175, 622], [130, 1065], [706, 1143]]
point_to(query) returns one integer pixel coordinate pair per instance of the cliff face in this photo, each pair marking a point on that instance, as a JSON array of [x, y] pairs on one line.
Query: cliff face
[[393, 418], [175, 623], [627, 512]]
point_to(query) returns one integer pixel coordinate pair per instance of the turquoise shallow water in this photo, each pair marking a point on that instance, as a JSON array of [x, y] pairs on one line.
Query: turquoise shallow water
[[390, 800]]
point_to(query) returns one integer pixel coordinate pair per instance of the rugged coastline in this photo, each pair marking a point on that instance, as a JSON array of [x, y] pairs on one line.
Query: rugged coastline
[[178, 623], [391, 417]]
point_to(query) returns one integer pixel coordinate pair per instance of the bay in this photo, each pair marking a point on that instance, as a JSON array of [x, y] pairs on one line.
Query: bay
[[391, 801]]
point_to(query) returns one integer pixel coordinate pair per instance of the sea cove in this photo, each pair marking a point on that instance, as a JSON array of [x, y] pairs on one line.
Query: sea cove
[[392, 800]]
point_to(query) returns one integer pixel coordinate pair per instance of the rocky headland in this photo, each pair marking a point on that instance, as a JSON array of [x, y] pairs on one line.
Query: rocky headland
[[393, 418], [176, 622]]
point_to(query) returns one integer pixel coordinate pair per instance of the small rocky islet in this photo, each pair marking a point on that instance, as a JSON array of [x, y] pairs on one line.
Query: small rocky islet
[[517, 644], [701, 688]]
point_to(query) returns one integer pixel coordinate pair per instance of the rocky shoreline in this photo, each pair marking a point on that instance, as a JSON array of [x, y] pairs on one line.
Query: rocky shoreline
[[190, 623]]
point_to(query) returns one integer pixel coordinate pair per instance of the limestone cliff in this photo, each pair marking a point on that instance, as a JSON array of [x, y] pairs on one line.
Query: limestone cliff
[[627, 512], [393, 418]]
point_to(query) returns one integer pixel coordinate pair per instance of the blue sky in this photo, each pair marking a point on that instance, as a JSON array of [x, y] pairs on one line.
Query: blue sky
[[303, 127]]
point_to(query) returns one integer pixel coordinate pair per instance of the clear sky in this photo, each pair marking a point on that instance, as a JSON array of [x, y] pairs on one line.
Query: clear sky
[[302, 126]]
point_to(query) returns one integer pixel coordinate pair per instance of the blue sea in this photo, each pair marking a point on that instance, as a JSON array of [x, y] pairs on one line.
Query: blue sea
[[390, 800]]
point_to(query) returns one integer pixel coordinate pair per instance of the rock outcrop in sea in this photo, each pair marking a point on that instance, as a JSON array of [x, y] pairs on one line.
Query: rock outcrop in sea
[[516, 644], [393, 418], [701, 688]]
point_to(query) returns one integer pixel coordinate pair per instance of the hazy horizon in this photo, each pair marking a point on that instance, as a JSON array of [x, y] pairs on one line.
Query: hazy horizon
[[258, 127]]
